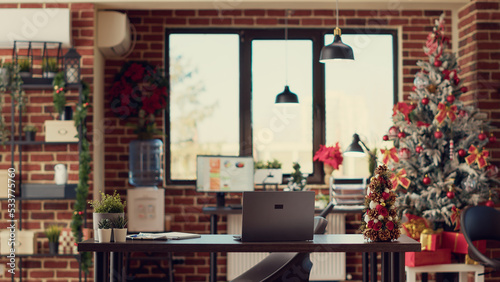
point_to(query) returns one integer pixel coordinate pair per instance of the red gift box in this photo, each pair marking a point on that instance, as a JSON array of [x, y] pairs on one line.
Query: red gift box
[[430, 242], [439, 256], [456, 242]]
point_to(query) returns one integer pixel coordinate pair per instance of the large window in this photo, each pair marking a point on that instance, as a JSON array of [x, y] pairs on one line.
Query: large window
[[224, 84]]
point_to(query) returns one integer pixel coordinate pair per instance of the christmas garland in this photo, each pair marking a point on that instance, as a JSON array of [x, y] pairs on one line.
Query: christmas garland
[[82, 189]]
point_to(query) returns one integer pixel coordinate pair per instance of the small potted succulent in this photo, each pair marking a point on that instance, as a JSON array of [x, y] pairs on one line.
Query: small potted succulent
[[104, 230], [52, 234], [120, 229], [24, 68], [50, 67], [108, 207], [30, 132], [268, 173]]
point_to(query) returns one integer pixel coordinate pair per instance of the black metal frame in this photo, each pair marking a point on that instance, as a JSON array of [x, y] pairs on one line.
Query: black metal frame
[[246, 37]]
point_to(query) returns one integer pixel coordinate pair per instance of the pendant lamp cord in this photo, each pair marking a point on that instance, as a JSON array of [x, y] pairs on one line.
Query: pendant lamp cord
[[286, 46], [337, 8]]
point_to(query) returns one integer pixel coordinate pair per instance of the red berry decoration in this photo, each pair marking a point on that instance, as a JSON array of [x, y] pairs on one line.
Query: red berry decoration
[[493, 138], [450, 194], [457, 80], [464, 89], [437, 63], [481, 136], [401, 134], [426, 180], [425, 100], [385, 137], [462, 153], [419, 149], [438, 134], [450, 99], [490, 203]]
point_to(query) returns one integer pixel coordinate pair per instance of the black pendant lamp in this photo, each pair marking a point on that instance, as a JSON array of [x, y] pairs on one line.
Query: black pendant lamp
[[287, 96], [336, 50]]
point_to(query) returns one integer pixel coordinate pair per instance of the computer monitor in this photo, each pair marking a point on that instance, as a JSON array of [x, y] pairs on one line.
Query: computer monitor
[[224, 174]]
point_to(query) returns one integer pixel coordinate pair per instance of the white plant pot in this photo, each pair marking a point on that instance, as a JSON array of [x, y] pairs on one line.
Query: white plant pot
[[120, 234], [49, 74], [104, 235], [98, 217]]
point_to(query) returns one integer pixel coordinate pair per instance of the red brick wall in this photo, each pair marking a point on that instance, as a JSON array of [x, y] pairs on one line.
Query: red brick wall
[[39, 160]]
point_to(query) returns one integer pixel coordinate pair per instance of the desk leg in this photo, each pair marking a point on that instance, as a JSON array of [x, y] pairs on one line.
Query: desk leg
[[385, 269], [398, 267], [100, 266], [373, 267], [213, 256], [116, 268], [366, 267]]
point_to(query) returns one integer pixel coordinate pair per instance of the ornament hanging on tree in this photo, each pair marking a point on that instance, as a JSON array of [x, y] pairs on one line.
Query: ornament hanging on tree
[[380, 221], [464, 89], [393, 132], [492, 139], [419, 149], [432, 88], [426, 180], [425, 100], [385, 137], [451, 193], [405, 153], [452, 149], [462, 153], [401, 134], [490, 203], [421, 81], [481, 136], [438, 134], [450, 99]]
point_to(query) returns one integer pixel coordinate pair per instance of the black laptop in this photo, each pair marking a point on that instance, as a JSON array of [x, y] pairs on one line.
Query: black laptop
[[278, 216]]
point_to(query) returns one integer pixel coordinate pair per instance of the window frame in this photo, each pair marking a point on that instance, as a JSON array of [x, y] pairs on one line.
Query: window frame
[[246, 35]]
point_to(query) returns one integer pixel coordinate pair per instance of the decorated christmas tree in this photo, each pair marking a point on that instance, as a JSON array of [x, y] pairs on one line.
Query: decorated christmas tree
[[439, 159], [381, 222]]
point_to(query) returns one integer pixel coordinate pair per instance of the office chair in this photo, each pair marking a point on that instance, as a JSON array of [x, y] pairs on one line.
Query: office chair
[[481, 223], [277, 267]]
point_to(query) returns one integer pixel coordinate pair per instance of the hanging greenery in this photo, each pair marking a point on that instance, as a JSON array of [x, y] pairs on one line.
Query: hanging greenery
[[82, 189], [10, 80], [59, 95]]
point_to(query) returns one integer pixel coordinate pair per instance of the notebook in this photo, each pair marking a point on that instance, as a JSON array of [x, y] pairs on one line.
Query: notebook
[[163, 236], [277, 216]]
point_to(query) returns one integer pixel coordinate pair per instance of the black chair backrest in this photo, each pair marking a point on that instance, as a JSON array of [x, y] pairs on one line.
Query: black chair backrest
[[481, 223]]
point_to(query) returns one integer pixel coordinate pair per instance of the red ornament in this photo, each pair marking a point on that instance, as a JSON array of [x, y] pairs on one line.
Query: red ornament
[[464, 89], [404, 153], [401, 134], [481, 136], [414, 88], [61, 89], [490, 203], [457, 80], [450, 99], [438, 134], [425, 100], [413, 106], [493, 138], [385, 137], [462, 153], [437, 63], [462, 113], [450, 194], [426, 180], [419, 149], [80, 213], [393, 132]]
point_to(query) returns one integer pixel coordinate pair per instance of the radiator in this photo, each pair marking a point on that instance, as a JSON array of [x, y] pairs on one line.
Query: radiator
[[326, 266]]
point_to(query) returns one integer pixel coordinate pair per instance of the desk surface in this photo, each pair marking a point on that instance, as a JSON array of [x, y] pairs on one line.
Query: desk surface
[[229, 210], [226, 243]]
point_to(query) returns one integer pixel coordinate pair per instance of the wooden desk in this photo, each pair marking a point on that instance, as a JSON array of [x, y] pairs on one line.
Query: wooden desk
[[392, 257], [215, 212]]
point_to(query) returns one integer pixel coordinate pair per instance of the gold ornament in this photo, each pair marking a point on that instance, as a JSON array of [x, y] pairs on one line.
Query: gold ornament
[[431, 88]]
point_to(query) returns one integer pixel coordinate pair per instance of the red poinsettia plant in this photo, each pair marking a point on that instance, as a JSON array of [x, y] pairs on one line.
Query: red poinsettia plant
[[139, 91], [331, 155]]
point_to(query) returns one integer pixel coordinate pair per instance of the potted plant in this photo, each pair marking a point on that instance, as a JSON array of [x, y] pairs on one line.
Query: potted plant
[[297, 180], [24, 68], [119, 229], [331, 157], [104, 230], [268, 173], [108, 207], [50, 67], [30, 132], [52, 234]]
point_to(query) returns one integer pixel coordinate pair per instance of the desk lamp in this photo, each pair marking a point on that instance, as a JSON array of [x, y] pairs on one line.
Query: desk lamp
[[356, 149]]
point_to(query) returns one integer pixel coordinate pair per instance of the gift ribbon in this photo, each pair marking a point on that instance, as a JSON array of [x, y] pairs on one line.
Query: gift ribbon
[[446, 111], [476, 156], [390, 154], [400, 178], [402, 108]]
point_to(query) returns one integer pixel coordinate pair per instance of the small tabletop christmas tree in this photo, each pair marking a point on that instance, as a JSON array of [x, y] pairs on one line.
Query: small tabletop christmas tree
[[439, 160], [381, 222]]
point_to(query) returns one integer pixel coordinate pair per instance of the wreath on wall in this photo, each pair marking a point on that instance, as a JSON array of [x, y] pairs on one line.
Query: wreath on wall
[[139, 91]]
